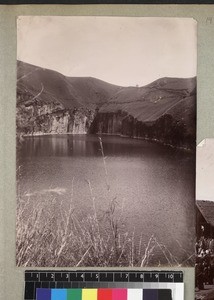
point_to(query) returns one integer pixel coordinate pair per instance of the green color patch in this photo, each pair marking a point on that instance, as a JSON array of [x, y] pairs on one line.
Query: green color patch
[[74, 294]]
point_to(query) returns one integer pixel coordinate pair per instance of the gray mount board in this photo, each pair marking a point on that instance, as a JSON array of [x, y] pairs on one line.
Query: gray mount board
[[12, 278]]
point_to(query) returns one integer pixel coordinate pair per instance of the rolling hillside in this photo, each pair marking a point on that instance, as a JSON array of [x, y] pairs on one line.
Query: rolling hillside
[[152, 101], [49, 102], [69, 91]]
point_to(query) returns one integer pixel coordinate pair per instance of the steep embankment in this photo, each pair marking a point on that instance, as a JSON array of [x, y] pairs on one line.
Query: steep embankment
[[163, 110], [48, 102], [69, 91]]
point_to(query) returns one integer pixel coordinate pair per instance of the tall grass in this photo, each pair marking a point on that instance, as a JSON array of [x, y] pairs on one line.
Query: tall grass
[[51, 233]]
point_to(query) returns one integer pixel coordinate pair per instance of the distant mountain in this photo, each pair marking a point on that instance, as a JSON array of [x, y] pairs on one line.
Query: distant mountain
[[49, 102]]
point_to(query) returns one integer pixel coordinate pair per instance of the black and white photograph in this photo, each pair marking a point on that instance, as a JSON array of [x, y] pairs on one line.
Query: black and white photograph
[[105, 141], [204, 265]]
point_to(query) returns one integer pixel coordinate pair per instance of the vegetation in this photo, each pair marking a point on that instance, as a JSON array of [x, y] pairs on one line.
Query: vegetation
[[50, 233], [163, 111]]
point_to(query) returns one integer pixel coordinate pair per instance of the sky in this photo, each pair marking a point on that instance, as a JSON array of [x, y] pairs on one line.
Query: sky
[[125, 51]]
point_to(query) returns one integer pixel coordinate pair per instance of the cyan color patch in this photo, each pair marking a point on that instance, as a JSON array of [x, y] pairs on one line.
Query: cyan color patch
[[58, 294], [103, 294]]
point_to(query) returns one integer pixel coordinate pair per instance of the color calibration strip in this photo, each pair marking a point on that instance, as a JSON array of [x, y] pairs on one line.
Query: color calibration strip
[[103, 294], [103, 282]]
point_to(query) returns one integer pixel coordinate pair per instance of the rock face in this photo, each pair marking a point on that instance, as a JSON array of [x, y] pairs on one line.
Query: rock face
[[50, 103], [53, 118], [165, 130]]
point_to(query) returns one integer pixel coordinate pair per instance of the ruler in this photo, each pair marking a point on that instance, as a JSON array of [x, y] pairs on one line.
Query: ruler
[[35, 279]]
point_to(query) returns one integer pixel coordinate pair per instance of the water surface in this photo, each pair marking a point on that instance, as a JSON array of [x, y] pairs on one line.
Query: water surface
[[153, 183]]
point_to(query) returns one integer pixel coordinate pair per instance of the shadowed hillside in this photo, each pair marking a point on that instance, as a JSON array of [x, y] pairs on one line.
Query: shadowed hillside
[[69, 91], [49, 102]]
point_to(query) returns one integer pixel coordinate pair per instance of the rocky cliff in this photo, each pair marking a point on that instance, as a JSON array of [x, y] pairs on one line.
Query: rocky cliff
[[52, 118], [50, 103], [165, 130]]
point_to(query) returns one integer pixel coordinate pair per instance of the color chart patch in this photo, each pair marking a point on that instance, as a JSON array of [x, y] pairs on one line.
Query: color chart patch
[[103, 294], [103, 285]]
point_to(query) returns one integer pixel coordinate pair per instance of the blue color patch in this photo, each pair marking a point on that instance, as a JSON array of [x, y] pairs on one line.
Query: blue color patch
[[58, 294], [43, 294]]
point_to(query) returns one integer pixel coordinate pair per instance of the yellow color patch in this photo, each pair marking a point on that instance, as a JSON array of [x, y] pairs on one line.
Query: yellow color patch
[[89, 294]]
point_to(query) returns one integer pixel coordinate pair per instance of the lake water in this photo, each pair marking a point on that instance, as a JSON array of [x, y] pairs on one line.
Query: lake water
[[153, 183]]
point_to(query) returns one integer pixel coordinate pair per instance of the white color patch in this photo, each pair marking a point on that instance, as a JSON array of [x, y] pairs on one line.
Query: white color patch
[[135, 294]]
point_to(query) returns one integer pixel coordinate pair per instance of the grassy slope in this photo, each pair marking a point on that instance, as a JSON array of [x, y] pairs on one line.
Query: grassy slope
[[69, 91], [175, 96], [166, 95]]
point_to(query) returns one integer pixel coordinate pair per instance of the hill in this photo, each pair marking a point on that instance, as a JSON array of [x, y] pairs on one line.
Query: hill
[[69, 91], [154, 100], [49, 102]]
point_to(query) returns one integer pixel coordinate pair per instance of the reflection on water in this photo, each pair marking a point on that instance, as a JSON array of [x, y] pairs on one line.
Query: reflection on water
[[155, 183], [84, 145], [63, 145]]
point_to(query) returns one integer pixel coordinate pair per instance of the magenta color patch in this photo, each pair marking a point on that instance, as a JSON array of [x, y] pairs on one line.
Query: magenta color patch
[[119, 294]]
